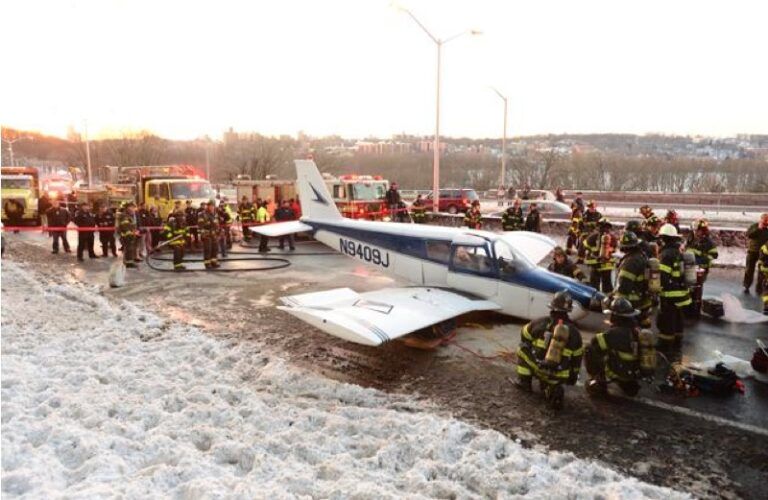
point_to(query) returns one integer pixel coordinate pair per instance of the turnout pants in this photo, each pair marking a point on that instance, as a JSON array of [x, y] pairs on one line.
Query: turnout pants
[[600, 279], [60, 235], [669, 321], [178, 255], [749, 273], [129, 251], [289, 239], [107, 240], [209, 251], [85, 242]]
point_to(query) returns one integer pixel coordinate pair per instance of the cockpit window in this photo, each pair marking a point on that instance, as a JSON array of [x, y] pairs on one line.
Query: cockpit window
[[472, 259], [504, 257]]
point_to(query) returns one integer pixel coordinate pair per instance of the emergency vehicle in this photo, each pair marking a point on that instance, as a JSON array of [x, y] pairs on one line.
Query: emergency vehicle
[[20, 194], [357, 196], [162, 186]]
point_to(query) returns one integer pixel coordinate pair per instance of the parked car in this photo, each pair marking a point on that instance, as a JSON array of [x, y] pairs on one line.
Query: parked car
[[549, 209], [453, 200]]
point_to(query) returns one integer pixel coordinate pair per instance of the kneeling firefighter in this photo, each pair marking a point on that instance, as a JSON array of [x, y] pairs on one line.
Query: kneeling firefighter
[[550, 350], [623, 354]]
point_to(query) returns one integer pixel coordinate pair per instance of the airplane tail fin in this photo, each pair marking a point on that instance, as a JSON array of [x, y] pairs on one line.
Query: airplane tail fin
[[316, 201]]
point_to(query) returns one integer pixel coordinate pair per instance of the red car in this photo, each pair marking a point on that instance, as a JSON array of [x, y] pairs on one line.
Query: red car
[[453, 201]]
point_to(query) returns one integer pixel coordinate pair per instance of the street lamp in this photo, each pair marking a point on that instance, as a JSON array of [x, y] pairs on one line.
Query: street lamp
[[10, 145], [503, 139], [436, 159]]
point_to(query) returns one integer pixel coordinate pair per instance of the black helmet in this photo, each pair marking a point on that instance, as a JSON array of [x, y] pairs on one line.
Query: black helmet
[[633, 225], [604, 223], [562, 302], [628, 241], [622, 307]]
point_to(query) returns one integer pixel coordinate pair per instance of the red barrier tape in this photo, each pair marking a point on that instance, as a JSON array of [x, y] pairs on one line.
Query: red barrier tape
[[108, 229]]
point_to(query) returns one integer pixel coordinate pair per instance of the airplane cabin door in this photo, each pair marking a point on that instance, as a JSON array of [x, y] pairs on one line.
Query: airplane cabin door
[[471, 267]]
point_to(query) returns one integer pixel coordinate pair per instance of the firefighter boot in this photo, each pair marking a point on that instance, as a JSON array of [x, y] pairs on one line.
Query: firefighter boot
[[630, 388], [554, 394], [524, 383], [597, 388]]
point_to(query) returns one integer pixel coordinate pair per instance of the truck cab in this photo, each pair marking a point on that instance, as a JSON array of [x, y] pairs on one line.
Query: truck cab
[[358, 196], [20, 193], [164, 192]]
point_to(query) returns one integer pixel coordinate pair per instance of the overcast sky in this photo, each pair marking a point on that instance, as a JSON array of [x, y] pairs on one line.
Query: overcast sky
[[188, 68]]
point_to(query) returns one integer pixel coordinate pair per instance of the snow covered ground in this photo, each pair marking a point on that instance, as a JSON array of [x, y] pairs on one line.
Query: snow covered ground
[[102, 399]]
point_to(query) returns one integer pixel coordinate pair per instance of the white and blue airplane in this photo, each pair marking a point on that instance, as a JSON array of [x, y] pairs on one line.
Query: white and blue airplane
[[453, 271]]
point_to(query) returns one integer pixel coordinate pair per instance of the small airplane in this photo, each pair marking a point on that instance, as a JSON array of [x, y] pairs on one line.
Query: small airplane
[[454, 271]]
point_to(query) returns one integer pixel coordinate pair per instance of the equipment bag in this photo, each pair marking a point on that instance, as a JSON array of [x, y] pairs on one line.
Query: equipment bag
[[713, 307]]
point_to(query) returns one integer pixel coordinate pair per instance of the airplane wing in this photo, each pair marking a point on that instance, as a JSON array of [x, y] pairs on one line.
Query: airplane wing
[[281, 228], [373, 318]]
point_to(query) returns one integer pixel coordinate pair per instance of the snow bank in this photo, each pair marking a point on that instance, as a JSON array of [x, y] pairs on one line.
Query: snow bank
[[103, 400]]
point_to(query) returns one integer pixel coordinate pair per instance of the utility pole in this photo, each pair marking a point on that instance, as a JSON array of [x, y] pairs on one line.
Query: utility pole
[[88, 156], [10, 146], [503, 140], [207, 162]]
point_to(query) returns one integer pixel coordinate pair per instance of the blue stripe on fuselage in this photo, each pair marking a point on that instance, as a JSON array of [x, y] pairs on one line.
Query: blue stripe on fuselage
[[415, 246]]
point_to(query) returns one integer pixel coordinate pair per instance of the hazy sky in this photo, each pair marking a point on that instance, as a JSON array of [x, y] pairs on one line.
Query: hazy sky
[[357, 68]]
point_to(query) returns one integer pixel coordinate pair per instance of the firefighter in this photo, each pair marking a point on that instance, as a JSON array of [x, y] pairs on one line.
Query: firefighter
[[190, 215], [58, 217], [562, 265], [224, 213], [245, 211], [674, 295], [615, 354], [512, 219], [574, 230], [591, 217], [262, 217], [85, 220], [128, 230], [418, 210], [631, 282], [599, 247], [672, 218], [105, 221], [700, 243], [208, 226], [175, 232], [635, 226], [647, 212], [757, 236], [549, 352], [763, 259], [473, 218], [533, 219]]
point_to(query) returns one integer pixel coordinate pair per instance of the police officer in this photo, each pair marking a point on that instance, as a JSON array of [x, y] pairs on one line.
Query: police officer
[[208, 226], [175, 232], [473, 218], [562, 265], [512, 219], [129, 234], [674, 295], [392, 197], [701, 244], [419, 210], [85, 220], [535, 341], [599, 247], [105, 221], [58, 217], [283, 214], [631, 281], [613, 355]]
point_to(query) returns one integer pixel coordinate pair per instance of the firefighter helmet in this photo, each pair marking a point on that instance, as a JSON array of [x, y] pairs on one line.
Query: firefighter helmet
[[633, 225], [668, 230], [701, 225], [562, 302], [621, 307], [604, 223], [629, 240], [653, 220], [591, 204]]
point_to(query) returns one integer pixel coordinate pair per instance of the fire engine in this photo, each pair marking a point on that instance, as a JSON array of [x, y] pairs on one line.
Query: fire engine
[[357, 196]]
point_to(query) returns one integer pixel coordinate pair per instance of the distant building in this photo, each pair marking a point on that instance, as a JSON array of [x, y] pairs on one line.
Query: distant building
[[382, 147]]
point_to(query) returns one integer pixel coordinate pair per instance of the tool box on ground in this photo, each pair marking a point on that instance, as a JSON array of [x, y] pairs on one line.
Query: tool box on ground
[[693, 381], [713, 308]]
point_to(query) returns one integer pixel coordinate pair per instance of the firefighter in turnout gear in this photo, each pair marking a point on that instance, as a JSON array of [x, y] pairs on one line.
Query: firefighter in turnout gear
[[591, 217], [674, 295], [631, 280], [621, 353], [127, 229], [700, 243], [512, 219], [763, 263], [599, 247], [574, 231], [224, 213], [562, 265], [635, 226], [208, 226], [175, 232], [472, 219], [550, 350], [418, 210], [245, 211]]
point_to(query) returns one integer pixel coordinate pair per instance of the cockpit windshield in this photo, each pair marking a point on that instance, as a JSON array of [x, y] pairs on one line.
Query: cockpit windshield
[[510, 259]]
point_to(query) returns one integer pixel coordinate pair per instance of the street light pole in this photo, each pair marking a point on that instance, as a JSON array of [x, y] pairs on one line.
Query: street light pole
[[88, 156], [436, 146], [10, 147], [503, 140]]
